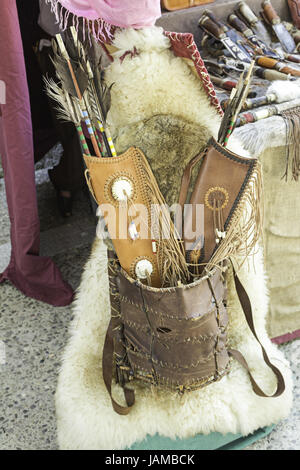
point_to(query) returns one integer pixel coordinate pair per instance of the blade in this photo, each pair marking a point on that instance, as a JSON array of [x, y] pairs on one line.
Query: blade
[[236, 38], [261, 32], [284, 37], [235, 50]]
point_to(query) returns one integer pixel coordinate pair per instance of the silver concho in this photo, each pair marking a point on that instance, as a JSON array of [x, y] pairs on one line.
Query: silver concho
[[122, 189], [143, 269]]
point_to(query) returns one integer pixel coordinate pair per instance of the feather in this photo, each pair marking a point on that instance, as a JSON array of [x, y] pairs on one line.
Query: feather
[[66, 69], [97, 97], [102, 90], [67, 108], [63, 71]]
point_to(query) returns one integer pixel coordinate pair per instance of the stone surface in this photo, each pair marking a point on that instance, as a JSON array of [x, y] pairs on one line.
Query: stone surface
[[286, 435]]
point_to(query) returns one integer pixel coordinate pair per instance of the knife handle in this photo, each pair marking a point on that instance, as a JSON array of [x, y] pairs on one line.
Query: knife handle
[[290, 71], [247, 13], [292, 58], [238, 24], [296, 37], [224, 83], [269, 63], [213, 18], [270, 12], [270, 75], [212, 27], [266, 62]]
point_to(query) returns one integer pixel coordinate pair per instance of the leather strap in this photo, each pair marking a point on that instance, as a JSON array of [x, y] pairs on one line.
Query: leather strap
[[107, 370], [246, 306]]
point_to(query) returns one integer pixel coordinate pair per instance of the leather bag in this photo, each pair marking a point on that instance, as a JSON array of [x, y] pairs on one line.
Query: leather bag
[[174, 338]]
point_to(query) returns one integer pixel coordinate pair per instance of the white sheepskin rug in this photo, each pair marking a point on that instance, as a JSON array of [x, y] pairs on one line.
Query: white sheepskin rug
[[156, 82]]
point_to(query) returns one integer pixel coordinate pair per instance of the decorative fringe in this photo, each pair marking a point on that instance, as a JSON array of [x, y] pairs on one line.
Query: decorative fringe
[[292, 124], [245, 229], [172, 265], [99, 29]]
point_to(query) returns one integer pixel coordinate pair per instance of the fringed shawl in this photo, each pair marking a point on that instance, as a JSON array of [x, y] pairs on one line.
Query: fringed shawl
[[102, 16]]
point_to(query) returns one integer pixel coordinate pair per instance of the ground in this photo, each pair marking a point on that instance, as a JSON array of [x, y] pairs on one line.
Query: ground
[[34, 334]]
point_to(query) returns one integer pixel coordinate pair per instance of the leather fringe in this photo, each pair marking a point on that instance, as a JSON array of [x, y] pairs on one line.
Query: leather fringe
[[292, 123], [246, 226]]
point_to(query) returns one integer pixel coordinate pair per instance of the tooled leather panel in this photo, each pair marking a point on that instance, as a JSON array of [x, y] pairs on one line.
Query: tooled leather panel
[[223, 177], [180, 344]]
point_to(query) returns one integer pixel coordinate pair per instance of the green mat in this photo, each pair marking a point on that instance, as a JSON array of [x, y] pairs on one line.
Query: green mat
[[213, 441]]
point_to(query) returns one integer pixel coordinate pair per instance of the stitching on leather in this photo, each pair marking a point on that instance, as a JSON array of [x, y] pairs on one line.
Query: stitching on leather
[[165, 315], [230, 155], [195, 384], [174, 338], [107, 186], [201, 70]]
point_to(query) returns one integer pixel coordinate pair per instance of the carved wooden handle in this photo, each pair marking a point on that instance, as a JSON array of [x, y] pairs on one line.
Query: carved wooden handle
[[213, 18], [270, 12], [270, 75], [247, 12], [269, 63], [293, 58], [238, 24], [290, 71], [266, 62], [212, 27]]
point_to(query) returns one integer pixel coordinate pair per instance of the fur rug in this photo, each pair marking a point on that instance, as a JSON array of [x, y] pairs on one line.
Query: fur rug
[[155, 92]]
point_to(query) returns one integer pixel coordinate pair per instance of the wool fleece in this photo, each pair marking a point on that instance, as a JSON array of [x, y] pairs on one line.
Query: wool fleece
[[153, 92]]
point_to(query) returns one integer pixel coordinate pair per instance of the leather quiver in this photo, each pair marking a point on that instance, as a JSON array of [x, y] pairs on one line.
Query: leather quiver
[[221, 185], [136, 216], [294, 6], [181, 4]]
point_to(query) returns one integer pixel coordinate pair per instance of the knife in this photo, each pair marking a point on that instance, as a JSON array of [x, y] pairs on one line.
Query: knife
[[234, 35], [212, 28], [272, 75], [256, 25], [270, 63], [280, 30], [260, 47], [224, 83]]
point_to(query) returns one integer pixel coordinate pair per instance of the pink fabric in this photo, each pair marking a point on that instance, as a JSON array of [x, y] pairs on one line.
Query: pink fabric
[[35, 276], [123, 13], [287, 337]]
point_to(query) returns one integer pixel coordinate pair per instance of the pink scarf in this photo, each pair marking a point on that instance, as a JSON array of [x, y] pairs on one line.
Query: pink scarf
[[123, 13]]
